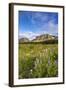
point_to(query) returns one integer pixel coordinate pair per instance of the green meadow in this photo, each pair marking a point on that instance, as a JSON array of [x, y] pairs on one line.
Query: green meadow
[[38, 60]]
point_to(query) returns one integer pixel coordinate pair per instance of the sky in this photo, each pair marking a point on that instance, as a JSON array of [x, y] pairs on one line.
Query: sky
[[32, 24]]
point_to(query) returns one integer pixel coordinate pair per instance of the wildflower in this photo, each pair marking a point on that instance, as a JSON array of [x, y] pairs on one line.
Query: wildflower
[[27, 54], [31, 70]]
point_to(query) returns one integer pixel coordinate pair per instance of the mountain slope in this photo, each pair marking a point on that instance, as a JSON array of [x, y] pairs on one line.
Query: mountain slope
[[23, 40], [41, 38], [45, 37]]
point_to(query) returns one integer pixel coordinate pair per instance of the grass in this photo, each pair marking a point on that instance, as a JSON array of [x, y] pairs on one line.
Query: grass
[[38, 60]]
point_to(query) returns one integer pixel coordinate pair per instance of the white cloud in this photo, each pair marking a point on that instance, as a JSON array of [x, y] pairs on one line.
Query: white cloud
[[44, 24], [39, 18], [28, 34], [50, 28]]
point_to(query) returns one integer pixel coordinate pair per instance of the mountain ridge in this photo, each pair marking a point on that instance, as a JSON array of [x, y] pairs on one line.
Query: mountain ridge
[[40, 38]]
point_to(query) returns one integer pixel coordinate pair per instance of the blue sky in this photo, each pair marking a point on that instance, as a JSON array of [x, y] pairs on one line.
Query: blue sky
[[32, 24]]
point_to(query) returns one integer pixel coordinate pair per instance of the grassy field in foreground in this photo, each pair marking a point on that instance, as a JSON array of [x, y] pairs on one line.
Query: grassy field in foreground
[[38, 60]]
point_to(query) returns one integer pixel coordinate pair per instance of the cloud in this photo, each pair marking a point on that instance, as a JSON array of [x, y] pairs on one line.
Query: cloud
[[37, 23], [39, 18], [30, 35], [45, 21], [48, 28]]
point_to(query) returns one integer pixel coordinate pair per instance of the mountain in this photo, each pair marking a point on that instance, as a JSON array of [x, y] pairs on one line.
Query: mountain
[[45, 38], [23, 40]]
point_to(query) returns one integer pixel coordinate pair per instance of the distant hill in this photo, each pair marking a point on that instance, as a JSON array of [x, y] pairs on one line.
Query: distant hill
[[23, 40], [41, 38]]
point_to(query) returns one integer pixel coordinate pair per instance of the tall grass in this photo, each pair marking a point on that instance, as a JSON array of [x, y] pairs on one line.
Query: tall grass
[[38, 60]]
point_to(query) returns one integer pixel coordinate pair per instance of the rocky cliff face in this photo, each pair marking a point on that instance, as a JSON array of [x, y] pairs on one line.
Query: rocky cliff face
[[45, 37]]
